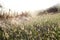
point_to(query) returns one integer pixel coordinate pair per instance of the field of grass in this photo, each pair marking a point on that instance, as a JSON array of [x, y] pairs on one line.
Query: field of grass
[[43, 27]]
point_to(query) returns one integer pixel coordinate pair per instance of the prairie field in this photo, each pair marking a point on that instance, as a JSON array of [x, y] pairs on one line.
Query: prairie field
[[42, 27], [29, 20]]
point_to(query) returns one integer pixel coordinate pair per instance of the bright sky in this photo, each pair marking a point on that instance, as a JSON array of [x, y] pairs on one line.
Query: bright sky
[[21, 5]]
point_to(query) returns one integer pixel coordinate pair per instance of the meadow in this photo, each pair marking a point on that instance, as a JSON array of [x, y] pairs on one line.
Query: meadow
[[42, 27]]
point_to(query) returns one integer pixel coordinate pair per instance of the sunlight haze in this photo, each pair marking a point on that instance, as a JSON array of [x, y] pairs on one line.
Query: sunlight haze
[[22, 5]]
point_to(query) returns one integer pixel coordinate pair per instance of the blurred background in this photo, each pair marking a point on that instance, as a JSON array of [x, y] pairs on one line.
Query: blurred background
[[28, 5]]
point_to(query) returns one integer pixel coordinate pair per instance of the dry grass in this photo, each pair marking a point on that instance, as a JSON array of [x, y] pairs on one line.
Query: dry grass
[[43, 27]]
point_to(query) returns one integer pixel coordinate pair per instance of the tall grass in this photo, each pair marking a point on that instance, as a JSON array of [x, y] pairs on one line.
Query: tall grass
[[45, 27]]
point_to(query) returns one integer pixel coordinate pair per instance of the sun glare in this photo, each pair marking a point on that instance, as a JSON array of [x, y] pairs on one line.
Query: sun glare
[[21, 5]]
